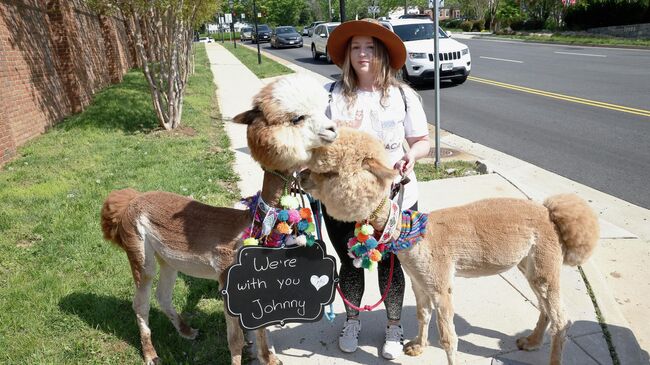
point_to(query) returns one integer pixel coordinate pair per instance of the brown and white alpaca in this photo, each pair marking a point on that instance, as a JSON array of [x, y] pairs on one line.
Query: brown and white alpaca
[[181, 234], [483, 238]]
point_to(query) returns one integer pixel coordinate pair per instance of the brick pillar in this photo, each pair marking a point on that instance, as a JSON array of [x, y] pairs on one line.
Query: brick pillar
[[64, 64], [112, 52]]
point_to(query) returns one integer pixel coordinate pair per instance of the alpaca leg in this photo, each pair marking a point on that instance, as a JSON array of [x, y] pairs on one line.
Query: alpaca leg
[[141, 305], [559, 323], [535, 339], [164, 293], [264, 354], [424, 310], [235, 339], [445, 320]]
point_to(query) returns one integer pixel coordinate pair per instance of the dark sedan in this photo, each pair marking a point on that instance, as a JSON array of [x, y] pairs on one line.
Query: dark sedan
[[285, 36], [263, 34]]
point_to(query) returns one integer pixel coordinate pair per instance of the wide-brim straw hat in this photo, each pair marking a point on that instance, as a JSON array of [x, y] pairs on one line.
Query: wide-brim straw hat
[[337, 43]]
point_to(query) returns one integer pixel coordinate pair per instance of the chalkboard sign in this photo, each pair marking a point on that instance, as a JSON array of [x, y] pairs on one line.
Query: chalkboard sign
[[269, 286]]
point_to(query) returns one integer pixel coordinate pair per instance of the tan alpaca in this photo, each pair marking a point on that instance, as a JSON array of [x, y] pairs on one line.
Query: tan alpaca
[[284, 125], [483, 238]]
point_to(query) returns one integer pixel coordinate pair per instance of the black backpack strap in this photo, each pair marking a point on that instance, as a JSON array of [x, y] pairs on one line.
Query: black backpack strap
[[330, 92]]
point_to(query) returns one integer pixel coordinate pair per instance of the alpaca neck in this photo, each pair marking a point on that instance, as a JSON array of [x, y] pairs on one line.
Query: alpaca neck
[[379, 223], [273, 187]]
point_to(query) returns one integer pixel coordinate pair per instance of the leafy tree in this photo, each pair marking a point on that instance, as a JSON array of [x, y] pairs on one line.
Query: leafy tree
[[284, 12], [162, 31]]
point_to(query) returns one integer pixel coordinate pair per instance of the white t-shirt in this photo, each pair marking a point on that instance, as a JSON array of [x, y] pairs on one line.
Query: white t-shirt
[[390, 124]]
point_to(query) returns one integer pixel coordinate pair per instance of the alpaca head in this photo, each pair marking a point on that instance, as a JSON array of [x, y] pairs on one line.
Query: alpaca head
[[350, 176], [287, 122]]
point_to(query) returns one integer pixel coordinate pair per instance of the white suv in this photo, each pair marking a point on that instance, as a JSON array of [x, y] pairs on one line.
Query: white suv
[[319, 40], [417, 35]]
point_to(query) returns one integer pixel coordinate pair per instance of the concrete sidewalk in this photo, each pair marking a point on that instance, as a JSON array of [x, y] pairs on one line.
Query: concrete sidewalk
[[490, 312]]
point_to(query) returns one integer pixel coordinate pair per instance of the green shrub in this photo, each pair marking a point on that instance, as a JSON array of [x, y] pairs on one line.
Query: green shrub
[[467, 25], [604, 13]]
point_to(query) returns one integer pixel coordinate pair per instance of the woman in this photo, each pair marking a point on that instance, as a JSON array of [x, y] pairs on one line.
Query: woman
[[370, 98]]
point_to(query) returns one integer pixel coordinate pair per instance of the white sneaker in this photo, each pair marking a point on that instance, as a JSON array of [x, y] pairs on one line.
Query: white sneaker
[[349, 338], [394, 345]]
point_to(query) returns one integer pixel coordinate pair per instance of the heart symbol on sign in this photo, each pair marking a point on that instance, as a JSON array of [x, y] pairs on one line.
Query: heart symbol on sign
[[319, 282]]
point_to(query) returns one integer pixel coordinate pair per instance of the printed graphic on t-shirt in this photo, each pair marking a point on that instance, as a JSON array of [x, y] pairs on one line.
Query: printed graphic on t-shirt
[[388, 131]]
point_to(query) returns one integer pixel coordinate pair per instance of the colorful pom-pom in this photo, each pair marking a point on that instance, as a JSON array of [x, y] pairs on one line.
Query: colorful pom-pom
[[310, 240], [357, 263], [294, 216], [357, 231], [371, 242], [289, 202], [283, 228], [290, 241], [366, 263], [302, 225], [362, 237], [374, 255], [367, 229], [311, 228], [301, 240], [352, 241], [305, 213], [251, 241], [283, 216]]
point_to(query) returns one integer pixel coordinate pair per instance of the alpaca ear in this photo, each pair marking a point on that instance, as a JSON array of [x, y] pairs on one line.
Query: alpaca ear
[[378, 169], [247, 117]]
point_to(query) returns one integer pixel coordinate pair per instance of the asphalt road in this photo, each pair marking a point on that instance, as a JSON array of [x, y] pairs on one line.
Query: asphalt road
[[580, 112]]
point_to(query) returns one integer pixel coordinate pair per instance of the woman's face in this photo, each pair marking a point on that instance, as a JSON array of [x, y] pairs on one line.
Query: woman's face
[[362, 53]]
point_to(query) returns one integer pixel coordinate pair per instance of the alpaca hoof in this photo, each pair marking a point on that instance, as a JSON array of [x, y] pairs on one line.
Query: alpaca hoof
[[524, 343], [413, 349], [190, 333]]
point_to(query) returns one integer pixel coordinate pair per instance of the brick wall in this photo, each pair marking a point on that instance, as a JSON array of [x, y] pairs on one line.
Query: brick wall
[[54, 55], [626, 31]]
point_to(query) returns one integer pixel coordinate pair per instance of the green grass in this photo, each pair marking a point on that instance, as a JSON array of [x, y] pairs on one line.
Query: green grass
[[448, 169], [582, 40], [268, 67], [65, 293]]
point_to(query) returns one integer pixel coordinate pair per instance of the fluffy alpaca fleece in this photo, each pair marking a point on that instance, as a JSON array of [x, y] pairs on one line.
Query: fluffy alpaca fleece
[[201, 240], [349, 171], [483, 238]]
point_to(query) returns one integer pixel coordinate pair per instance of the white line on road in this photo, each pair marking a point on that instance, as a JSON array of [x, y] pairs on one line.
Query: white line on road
[[582, 54], [501, 59]]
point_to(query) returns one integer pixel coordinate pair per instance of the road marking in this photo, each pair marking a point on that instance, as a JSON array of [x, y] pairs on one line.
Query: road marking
[[581, 54], [599, 104], [501, 59]]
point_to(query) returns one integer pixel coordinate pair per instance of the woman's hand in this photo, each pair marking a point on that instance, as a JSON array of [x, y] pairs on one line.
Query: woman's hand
[[405, 164]]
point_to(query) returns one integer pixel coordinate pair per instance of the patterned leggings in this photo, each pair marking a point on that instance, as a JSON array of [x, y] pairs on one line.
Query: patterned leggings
[[352, 279]]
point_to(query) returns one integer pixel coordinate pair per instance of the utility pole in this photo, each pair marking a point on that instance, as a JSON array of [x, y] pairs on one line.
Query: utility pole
[[259, 54], [436, 57], [342, 10], [406, 6]]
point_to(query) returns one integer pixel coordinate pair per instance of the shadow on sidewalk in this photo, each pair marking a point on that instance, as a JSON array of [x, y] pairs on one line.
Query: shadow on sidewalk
[[321, 339]]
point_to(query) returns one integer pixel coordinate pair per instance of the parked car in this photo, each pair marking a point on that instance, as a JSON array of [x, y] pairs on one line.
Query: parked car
[[263, 33], [246, 34], [319, 40], [205, 40], [309, 30], [417, 35], [414, 16], [285, 36]]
